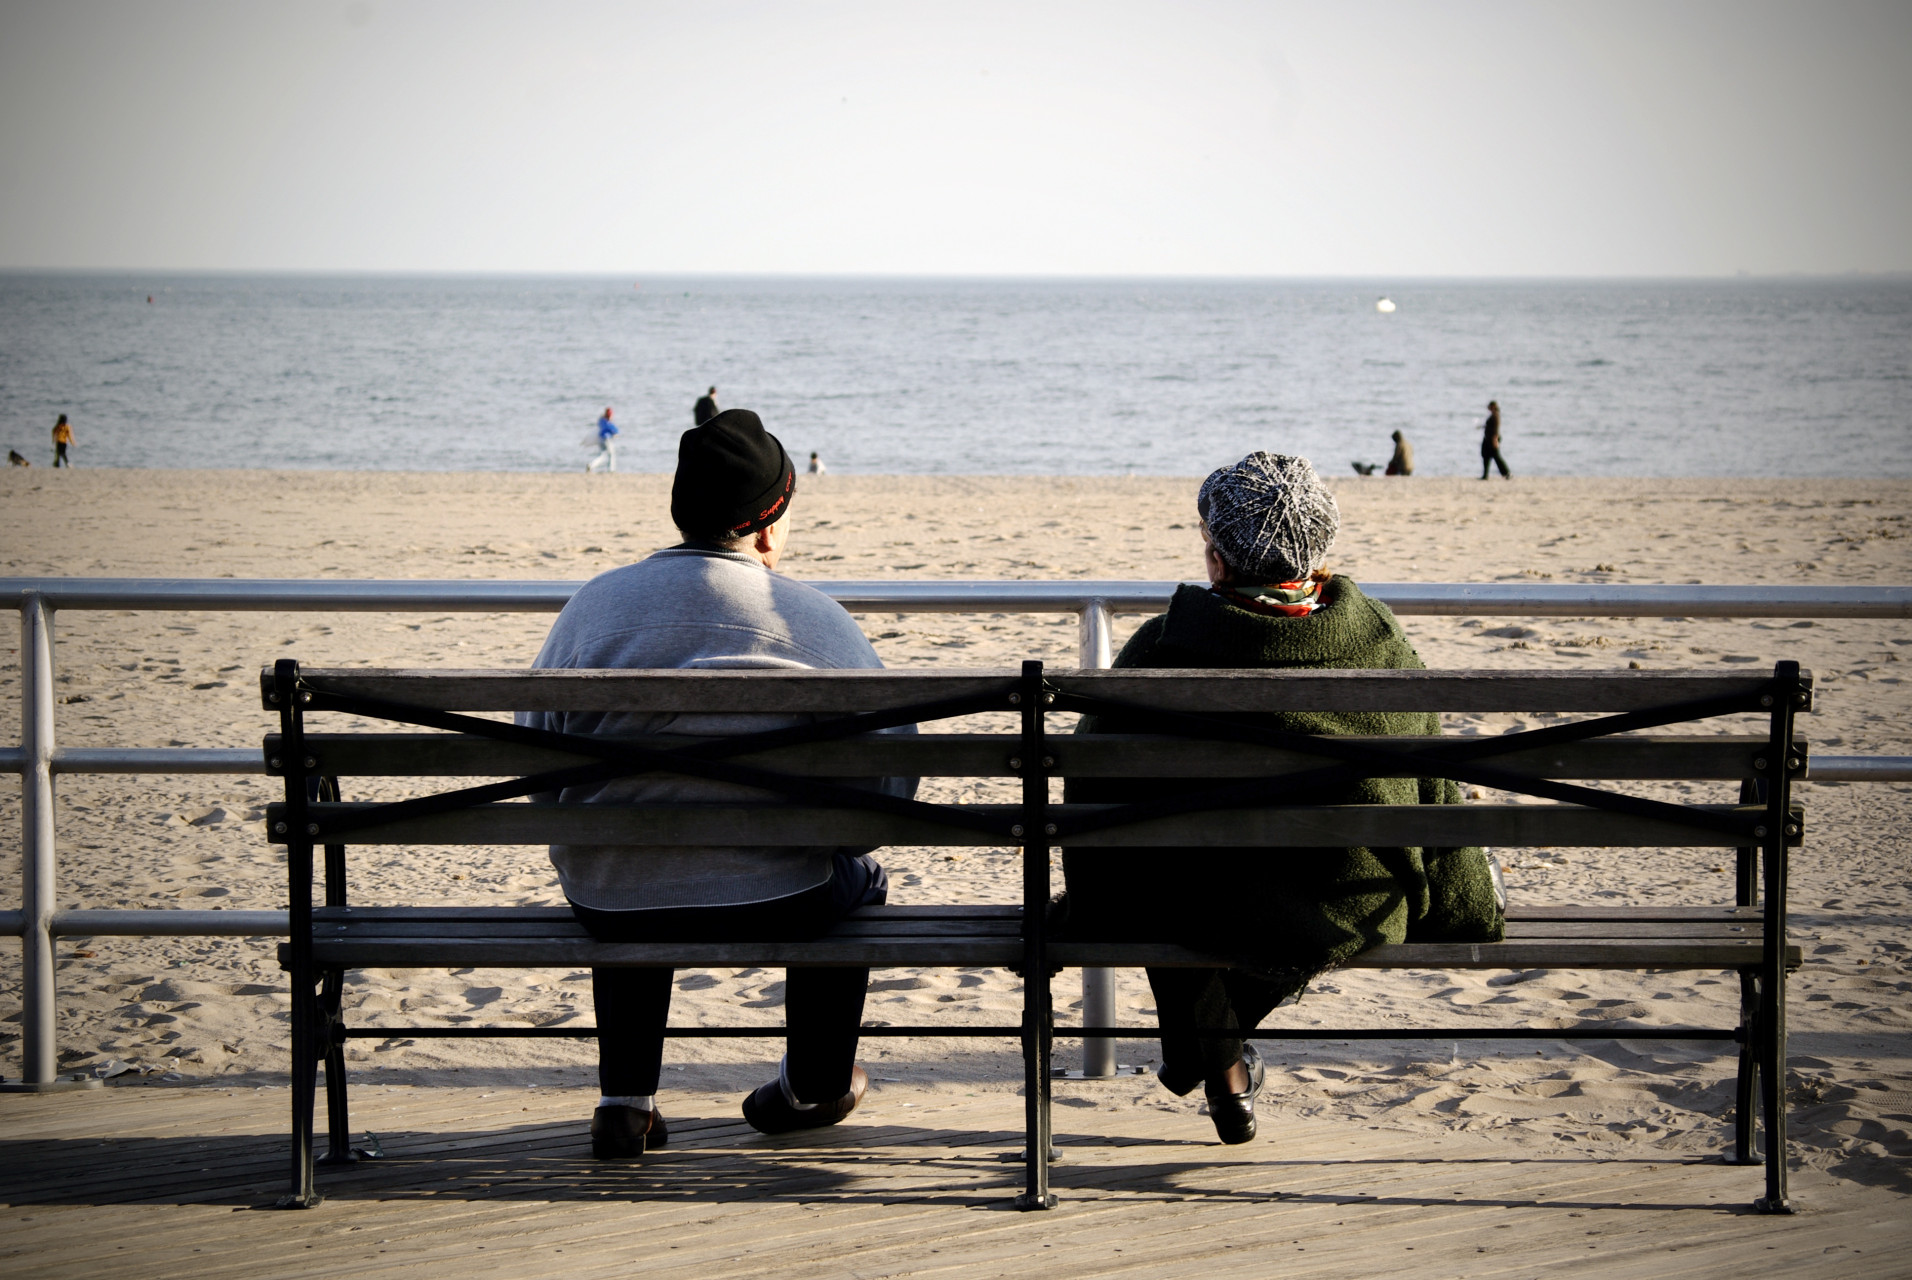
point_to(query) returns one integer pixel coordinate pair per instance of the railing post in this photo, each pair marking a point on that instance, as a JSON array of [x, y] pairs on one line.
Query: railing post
[[39, 1051], [1098, 985], [36, 842], [1096, 649]]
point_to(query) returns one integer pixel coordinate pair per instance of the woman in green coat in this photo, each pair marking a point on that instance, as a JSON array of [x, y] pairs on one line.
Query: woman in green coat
[[1287, 915]]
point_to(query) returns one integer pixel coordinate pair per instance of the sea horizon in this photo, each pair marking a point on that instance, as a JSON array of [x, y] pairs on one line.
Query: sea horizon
[[962, 375]]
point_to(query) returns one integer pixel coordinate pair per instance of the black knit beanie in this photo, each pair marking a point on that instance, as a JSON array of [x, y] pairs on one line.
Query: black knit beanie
[[733, 478]]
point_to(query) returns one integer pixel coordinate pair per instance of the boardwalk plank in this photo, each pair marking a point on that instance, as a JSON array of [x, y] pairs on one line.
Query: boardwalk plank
[[503, 1185]]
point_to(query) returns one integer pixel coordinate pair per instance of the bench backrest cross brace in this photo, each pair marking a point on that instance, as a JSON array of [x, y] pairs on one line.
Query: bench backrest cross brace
[[1262, 780]]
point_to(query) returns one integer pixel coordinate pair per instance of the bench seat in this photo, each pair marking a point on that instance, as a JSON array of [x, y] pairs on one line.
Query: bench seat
[[983, 936]]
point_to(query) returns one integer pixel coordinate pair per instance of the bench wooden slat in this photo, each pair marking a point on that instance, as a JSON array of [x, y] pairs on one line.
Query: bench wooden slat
[[1631, 756], [479, 914], [840, 692], [755, 690], [1631, 953], [567, 926], [1617, 929], [1518, 914], [1537, 954], [1500, 826], [1455, 690], [432, 953], [987, 936]]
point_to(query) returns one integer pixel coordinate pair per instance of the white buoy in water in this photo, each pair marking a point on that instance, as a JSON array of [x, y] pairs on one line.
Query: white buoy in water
[[1384, 306]]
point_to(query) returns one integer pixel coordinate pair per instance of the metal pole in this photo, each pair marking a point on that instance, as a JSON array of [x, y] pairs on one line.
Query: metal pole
[[1451, 599], [1096, 650], [1098, 985], [39, 1052], [36, 840]]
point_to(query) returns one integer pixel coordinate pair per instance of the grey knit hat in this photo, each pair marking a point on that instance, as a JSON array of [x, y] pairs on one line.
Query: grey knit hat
[[1270, 516]]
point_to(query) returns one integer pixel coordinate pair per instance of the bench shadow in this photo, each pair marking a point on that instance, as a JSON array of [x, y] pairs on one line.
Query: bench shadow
[[709, 1161]]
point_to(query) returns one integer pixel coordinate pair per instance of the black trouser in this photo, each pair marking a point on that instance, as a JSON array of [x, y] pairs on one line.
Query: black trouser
[[822, 1007], [1490, 457], [1186, 999], [59, 455]]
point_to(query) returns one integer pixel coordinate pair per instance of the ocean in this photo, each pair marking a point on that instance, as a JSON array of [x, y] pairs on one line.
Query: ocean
[[1749, 377]]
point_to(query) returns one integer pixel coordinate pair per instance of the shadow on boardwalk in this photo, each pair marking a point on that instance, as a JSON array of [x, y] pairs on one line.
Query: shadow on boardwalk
[[717, 1161], [480, 1182]]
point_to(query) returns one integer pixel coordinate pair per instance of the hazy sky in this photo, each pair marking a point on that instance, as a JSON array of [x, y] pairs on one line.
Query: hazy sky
[[1213, 138]]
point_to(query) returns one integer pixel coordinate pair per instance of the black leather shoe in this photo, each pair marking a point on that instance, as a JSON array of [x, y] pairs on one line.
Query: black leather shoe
[[620, 1132], [768, 1111], [1234, 1113]]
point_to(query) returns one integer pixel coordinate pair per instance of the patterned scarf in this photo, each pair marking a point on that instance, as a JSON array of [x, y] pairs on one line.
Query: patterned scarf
[[1289, 599]]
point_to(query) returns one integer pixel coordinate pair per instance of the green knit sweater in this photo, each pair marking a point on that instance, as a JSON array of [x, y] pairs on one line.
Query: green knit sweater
[[1287, 913]]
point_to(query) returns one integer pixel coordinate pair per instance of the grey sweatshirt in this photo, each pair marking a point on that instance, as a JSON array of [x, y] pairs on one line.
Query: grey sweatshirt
[[692, 607]]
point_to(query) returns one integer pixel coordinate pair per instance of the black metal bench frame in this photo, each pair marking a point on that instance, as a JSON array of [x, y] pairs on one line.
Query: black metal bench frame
[[1261, 808]]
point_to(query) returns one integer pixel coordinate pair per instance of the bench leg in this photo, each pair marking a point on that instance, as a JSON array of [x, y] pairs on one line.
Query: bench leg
[[1746, 1091], [338, 1147], [1773, 833], [1038, 1012], [1772, 1090], [305, 1063], [1038, 1134]]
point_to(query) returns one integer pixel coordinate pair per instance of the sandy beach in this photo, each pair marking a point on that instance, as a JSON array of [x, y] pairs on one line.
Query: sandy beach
[[215, 1009]]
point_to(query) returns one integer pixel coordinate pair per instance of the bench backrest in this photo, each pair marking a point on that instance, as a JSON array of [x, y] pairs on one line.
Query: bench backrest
[[1272, 774]]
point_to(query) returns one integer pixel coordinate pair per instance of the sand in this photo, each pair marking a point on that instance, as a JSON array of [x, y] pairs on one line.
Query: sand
[[215, 1009]]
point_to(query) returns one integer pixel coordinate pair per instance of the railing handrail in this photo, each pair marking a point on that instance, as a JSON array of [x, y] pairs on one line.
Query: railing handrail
[[970, 595]]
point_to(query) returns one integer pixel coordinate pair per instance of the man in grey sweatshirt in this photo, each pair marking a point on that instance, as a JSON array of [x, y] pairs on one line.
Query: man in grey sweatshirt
[[713, 601]]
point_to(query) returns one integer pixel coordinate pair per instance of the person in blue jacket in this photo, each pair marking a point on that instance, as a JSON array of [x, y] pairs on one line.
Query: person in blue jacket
[[607, 444]]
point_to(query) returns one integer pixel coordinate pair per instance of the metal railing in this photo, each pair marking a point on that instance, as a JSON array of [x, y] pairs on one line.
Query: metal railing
[[1095, 603]]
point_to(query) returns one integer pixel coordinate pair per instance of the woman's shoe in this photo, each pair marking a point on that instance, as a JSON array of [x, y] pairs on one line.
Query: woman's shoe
[[620, 1132], [1234, 1113], [768, 1111]]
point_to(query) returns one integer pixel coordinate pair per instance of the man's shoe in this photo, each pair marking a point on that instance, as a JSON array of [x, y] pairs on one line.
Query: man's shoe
[[768, 1111], [620, 1132], [1234, 1113]]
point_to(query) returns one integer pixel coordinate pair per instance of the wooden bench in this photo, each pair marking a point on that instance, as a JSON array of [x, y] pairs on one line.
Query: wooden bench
[[1261, 777]]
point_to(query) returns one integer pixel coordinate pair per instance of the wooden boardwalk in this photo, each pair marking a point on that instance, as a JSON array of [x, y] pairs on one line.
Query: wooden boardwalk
[[154, 1181]]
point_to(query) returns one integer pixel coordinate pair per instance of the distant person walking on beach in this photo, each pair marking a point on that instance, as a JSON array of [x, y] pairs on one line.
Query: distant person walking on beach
[[1402, 463], [1490, 443], [607, 444], [62, 437], [705, 409], [816, 464]]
